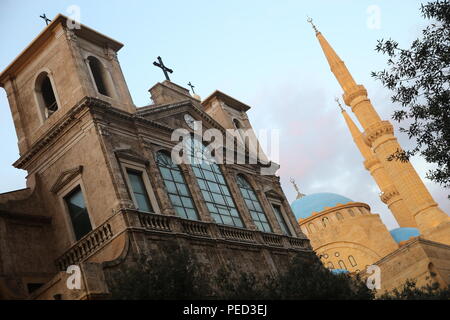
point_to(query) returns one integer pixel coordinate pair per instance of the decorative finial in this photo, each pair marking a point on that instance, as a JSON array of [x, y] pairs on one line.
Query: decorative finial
[[310, 20], [339, 104], [299, 194]]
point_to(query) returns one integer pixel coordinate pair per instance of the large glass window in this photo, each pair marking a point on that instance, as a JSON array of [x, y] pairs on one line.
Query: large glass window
[[281, 221], [78, 213], [140, 195], [179, 194], [213, 186], [253, 205]]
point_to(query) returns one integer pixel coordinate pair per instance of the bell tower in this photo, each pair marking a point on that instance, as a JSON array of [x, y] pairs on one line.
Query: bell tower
[[432, 222], [61, 66]]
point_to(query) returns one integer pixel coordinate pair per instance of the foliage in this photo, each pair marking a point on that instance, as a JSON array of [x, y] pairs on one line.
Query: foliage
[[173, 274], [419, 78], [178, 275], [309, 279], [409, 291]]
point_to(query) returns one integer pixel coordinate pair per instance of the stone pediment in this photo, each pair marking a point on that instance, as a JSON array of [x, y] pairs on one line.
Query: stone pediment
[[130, 154], [65, 177], [171, 115], [273, 194]]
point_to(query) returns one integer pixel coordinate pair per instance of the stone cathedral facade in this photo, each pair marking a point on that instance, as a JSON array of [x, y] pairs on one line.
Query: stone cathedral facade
[[101, 186]]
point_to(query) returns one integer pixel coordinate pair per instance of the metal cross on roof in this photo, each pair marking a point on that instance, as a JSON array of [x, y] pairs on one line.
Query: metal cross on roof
[[47, 20], [161, 65], [192, 87]]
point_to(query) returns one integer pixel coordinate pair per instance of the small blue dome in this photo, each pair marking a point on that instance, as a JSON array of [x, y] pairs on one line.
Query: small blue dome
[[339, 271], [403, 234], [304, 207]]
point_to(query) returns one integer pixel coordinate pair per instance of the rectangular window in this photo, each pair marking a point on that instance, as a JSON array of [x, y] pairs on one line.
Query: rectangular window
[[216, 194], [139, 191], [280, 219], [78, 213]]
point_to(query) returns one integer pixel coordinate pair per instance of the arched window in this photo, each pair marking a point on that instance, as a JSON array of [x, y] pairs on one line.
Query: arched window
[[179, 194], [237, 124], [339, 216], [46, 95], [312, 228], [352, 213], [325, 222], [330, 265], [213, 186], [342, 265], [100, 76], [253, 205], [352, 261]]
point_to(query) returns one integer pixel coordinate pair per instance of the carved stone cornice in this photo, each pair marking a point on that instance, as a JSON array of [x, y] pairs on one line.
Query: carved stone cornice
[[50, 135], [371, 162], [389, 194], [70, 35], [178, 105], [131, 155], [272, 194], [378, 130], [87, 102], [353, 93]]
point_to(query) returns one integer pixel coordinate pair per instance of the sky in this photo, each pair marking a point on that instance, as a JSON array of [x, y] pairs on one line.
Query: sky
[[261, 52]]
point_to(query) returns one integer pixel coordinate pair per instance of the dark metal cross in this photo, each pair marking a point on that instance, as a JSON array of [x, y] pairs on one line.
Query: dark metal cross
[[163, 68], [192, 87], [47, 20]]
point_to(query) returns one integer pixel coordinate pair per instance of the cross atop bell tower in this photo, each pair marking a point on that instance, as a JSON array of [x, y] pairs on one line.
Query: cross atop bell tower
[[61, 67], [161, 65]]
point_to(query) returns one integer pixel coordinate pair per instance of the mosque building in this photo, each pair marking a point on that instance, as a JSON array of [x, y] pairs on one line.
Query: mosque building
[[347, 235]]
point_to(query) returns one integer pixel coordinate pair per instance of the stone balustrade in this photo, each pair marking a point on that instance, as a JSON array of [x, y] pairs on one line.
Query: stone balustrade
[[128, 219], [86, 246], [237, 234], [196, 228], [155, 221], [273, 239]]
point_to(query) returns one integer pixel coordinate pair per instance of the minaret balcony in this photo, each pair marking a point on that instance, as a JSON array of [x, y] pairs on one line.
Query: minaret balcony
[[378, 130]]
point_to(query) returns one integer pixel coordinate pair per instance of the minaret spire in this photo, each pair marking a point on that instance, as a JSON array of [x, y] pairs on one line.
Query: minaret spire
[[357, 135], [310, 20], [337, 66], [389, 194], [433, 223]]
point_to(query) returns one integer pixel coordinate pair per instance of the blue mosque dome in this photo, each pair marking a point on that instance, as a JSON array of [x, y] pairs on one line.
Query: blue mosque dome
[[403, 234], [339, 271], [316, 202]]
